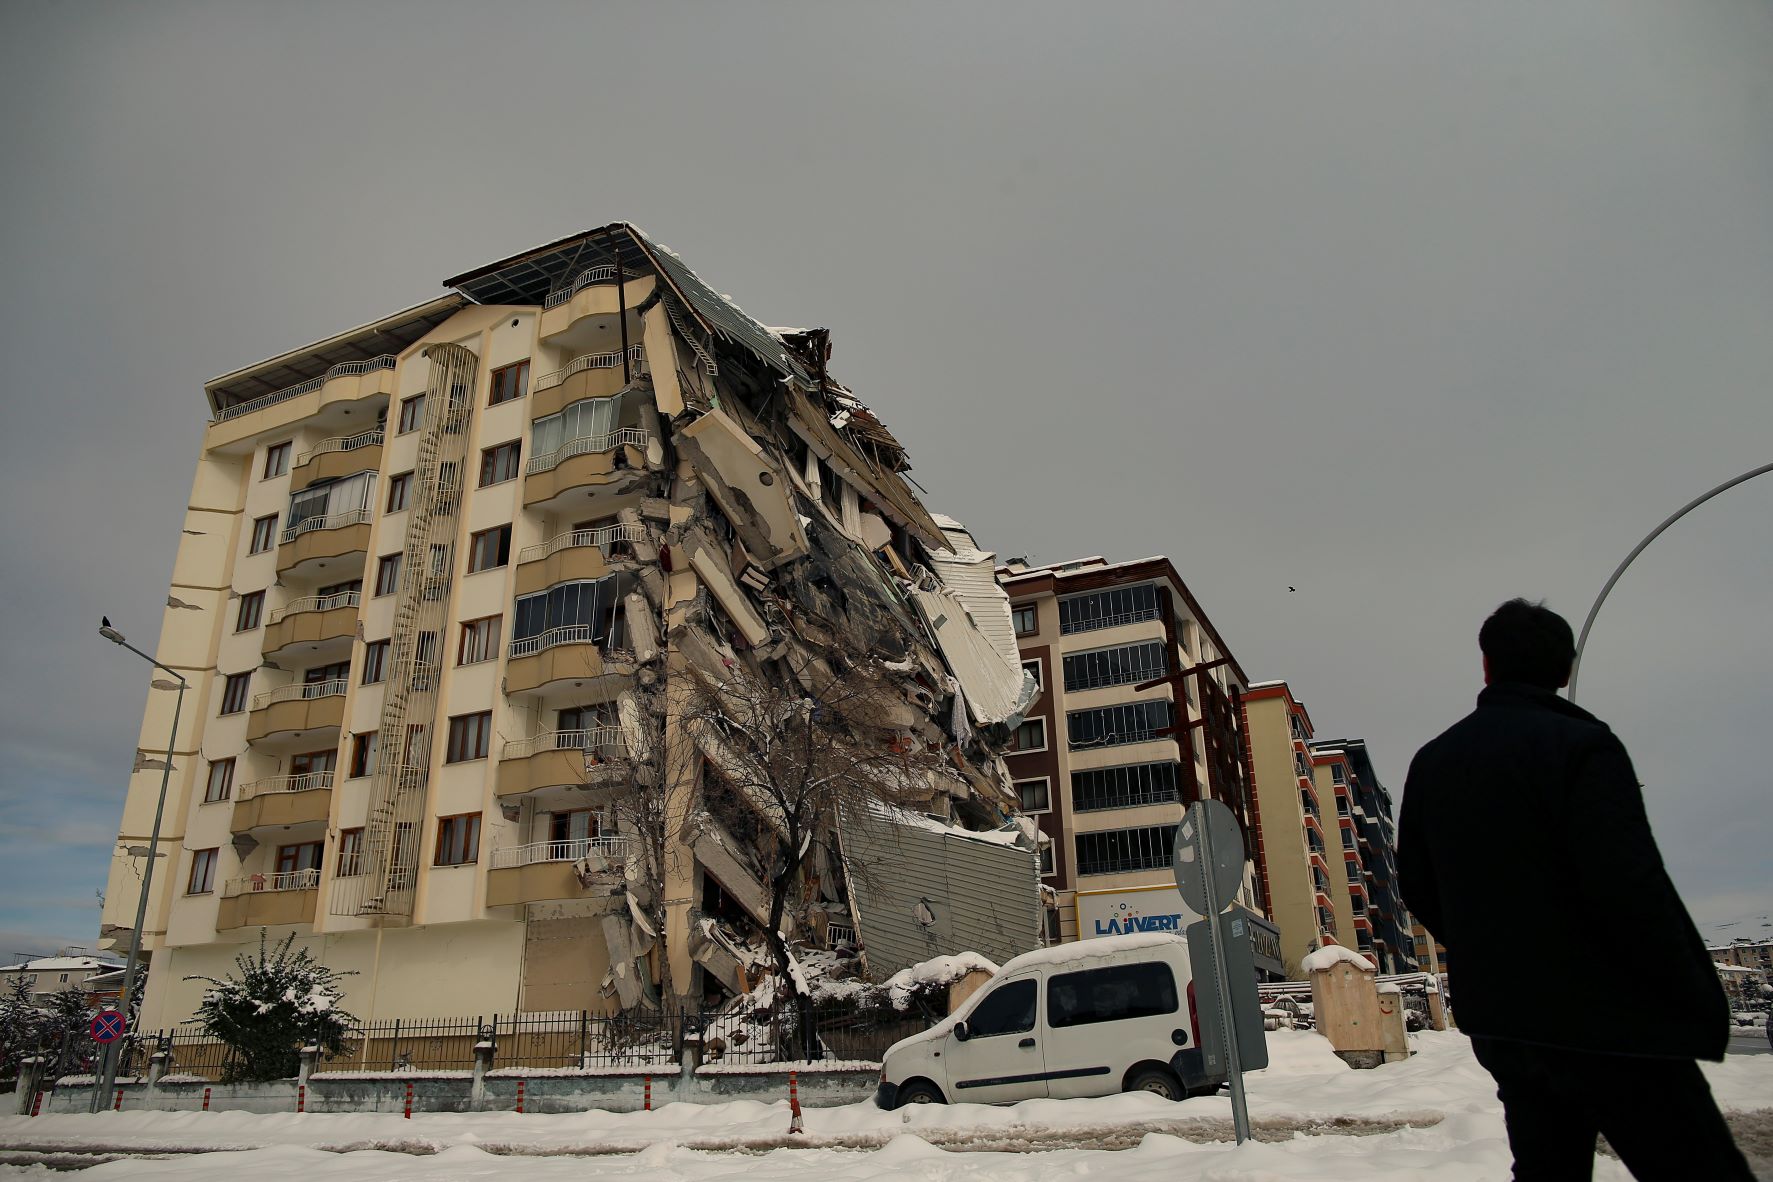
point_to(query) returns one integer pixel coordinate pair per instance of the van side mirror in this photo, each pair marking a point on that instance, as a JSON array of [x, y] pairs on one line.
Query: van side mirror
[[961, 1032]]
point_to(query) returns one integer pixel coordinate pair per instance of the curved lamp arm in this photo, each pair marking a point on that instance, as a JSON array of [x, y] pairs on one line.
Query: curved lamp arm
[[1576, 665]]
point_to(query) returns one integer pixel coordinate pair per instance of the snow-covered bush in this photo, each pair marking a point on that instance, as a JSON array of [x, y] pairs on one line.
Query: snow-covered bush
[[272, 1006]]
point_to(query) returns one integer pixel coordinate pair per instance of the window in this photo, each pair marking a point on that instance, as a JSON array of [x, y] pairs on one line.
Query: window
[[221, 781], [348, 587], [1046, 861], [1108, 609], [350, 853], [246, 616], [1125, 787], [325, 675], [387, 574], [348, 500], [468, 736], [276, 459], [1032, 668], [480, 640], [1119, 851], [202, 880], [1024, 619], [1030, 736], [592, 420], [593, 608], [363, 754], [234, 692], [489, 548], [412, 413], [458, 840], [264, 534], [1036, 795], [571, 826], [314, 763], [1114, 666], [293, 859], [509, 382], [1113, 994], [1338, 773], [1348, 839], [1008, 1009], [1109, 726], [1342, 809], [398, 488], [499, 464], [375, 661]]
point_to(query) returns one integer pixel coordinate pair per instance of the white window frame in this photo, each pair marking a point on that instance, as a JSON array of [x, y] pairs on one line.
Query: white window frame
[[1040, 672], [1045, 738], [1047, 780]]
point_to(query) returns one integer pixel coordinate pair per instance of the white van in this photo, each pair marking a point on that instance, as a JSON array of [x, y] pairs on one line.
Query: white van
[[1085, 1019]]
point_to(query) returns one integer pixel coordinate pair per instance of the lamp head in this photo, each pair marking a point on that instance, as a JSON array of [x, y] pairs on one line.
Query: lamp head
[[109, 633]]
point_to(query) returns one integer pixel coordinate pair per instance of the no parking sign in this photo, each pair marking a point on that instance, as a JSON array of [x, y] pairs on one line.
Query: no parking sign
[[106, 1026]]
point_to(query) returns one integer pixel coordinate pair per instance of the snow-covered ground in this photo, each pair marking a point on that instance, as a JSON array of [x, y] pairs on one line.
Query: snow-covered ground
[[1433, 1115]]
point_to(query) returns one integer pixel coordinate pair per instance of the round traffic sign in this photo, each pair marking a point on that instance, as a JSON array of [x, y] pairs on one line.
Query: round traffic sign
[[107, 1026], [1225, 842]]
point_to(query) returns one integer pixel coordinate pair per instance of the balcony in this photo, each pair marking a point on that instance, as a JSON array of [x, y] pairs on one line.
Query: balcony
[[590, 375], [348, 382], [293, 709], [333, 458], [588, 463], [562, 655], [282, 800], [337, 537], [544, 871], [317, 620], [576, 554], [563, 759], [267, 900], [592, 293]]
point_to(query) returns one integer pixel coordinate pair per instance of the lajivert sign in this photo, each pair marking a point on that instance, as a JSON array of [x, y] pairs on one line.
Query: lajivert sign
[[1161, 909]]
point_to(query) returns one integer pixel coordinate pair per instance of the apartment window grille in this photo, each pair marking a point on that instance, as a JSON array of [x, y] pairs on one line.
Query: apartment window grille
[[1025, 619], [1122, 665], [1108, 609], [363, 754], [311, 762], [375, 661], [1110, 726], [1037, 795], [480, 640], [585, 610], [489, 548], [469, 736], [399, 487], [350, 853], [302, 855], [1124, 851], [509, 382], [412, 413], [221, 781], [1125, 787], [499, 464], [234, 692], [264, 534], [1033, 669], [458, 840], [1030, 736], [202, 878], [276, 459], [387, 574], [246, 616]]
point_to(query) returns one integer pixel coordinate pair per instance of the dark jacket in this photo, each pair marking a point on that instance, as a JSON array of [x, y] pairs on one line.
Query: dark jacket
[[1524, 848]]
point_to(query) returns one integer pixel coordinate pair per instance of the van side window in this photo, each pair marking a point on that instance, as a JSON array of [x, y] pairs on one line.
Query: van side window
[[1009, 1010], [1111, 995]]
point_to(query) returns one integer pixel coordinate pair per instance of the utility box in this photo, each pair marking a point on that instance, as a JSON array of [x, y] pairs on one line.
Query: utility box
[[1394, 1035], [1345, 1004]]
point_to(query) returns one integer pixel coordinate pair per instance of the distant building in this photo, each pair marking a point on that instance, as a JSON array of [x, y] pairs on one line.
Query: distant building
[[1367, 834], [71, 968], [1748, 954], [1431, 954]]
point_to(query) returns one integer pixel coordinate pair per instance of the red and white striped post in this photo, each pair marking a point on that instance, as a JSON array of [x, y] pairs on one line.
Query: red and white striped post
[[649, 1093], [37, 1104], [408, 1112], [520, 1095], [794, 1125], [118, 1106], [301, 1097], [206, 1099]]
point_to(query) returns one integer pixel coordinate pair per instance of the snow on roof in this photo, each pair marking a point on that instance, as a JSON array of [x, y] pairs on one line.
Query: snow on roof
[[1091, 949], [62, 964], [1331, 955]]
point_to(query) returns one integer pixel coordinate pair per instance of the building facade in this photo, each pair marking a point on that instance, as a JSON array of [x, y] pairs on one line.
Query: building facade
[[1366, 896], [1136, 720], [436, 580], [71, 968]]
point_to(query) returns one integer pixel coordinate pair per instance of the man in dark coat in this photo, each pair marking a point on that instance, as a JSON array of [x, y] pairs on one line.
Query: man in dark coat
[[1523, 846]]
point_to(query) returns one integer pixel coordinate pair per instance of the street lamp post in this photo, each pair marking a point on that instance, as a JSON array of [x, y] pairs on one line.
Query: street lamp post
[[108, 1077], [1576, 665]]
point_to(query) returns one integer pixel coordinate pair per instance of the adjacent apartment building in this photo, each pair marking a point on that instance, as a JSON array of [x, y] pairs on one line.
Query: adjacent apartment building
[[435, 577], [1366, 898], [1136, 720]]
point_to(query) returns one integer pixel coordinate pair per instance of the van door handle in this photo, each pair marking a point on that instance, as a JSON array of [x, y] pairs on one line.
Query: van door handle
[[1026, 1043]]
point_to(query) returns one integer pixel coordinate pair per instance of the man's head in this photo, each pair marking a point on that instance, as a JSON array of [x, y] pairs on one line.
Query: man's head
[[1527, 642]]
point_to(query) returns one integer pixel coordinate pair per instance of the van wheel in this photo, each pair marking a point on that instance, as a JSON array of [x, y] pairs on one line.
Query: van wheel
[[920, 1091], [1156, 1080]]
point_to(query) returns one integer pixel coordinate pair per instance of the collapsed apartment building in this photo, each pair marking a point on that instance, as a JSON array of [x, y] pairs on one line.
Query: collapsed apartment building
[[438, 579]]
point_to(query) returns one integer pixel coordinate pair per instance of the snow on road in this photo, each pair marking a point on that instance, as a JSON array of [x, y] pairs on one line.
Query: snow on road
[[1442, 1091]]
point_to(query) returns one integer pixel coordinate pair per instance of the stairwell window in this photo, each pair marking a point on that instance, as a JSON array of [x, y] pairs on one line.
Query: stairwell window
[[480, 640], [234, 692], [202, 879], [264, 534], [458, 840], [252, 606], [387, 574], [399, 486], [276, 459], [375, 662], [499, 464], [509, 382], [412, 413], [221, 781], [470, 736], [489, 549]]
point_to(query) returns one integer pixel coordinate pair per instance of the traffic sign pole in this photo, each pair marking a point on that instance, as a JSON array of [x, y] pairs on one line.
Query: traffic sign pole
[[1240, 1112]]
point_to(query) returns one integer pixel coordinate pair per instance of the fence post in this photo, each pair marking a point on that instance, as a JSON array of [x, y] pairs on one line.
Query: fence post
[[582, 1038], [394, 1053], [301, 1097], [484, 1049], [794, 1125], [30, 1073]]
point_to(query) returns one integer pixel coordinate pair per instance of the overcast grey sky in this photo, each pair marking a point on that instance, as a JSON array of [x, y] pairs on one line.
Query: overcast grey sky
[[1413, 307]]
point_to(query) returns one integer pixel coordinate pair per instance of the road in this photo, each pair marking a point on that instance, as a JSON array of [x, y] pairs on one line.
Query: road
[[1749, 1040]]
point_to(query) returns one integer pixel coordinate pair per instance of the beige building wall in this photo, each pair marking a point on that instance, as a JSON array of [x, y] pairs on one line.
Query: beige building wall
[[1278, 728]]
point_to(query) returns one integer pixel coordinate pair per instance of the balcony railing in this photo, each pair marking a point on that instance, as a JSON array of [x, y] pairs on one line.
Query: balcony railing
[[586, 361], [290, 880], [839, 933], [302, 691], [586, 445], [330, 521], [567, 634], [316, 603], [306, 782], [571, 850], [605, 740], [369, 438], [343, 369], [604, 273], [604, 537]]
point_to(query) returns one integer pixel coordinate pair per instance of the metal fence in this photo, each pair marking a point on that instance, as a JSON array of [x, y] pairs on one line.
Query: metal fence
[[763, 1036], [578, 1038], [409, 1044]]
